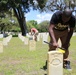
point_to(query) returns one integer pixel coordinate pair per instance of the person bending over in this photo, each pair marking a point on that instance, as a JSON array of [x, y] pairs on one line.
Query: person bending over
[[62, 26], [34, 32]]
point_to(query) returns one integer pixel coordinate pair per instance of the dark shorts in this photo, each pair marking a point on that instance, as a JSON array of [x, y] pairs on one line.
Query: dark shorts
[[62, 35]]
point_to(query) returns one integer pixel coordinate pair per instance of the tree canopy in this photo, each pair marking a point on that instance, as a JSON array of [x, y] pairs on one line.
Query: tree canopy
[[21, 7]]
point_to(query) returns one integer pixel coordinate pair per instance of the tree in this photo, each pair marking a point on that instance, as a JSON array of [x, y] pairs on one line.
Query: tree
[[29, 26], [8, 23], [5, 24], [19, 7], [43, 26], [53, 5], [33, 22]]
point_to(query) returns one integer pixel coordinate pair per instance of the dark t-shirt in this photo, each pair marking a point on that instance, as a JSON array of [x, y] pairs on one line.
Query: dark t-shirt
[[59, 25]]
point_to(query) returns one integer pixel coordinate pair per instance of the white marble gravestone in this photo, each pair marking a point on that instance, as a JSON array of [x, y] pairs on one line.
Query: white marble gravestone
[[55, 63], [1, 47], [32, 44], [59, 43], [5, 43], [44, 37], [26, 40]]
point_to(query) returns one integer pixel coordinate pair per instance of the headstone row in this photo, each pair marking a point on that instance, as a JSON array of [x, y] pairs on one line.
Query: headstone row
[[28, 41], [4, 42], [7, 40], [1, 47], [21, 37]]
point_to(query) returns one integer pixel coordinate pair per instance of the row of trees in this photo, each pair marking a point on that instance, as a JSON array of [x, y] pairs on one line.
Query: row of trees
[[21, 7], [7, 25], [42, 27]]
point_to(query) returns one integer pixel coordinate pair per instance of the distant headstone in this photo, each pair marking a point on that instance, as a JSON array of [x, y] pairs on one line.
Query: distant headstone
[[26, 41], [22, 38], [31, 38], [1, 35], [5, 43], [55, 63], [45, 37], [1, 47], [59, 43], [74, 34], [38, 37], [32, 45]]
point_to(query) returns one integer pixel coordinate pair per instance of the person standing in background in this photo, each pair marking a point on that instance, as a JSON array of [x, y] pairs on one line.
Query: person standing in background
[[34, 32]]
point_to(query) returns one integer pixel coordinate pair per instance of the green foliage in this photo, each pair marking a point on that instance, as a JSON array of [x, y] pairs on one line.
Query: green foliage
[[23, 6], [53, 5], [19, 7], [3, 5], [43, 26], [5, 24], [42, 3], [29, 26], [15, 27], [26, 4], [8, 23]]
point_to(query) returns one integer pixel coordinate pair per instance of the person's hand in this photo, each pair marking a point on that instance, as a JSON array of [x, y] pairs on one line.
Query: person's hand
[[55, 45]]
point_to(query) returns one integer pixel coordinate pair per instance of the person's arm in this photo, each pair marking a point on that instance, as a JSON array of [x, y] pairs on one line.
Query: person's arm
[[51, 33], [71, 26], [31, 31]]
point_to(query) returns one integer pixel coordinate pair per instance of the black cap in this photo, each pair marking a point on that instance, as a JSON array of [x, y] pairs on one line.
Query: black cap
[[67, 12]]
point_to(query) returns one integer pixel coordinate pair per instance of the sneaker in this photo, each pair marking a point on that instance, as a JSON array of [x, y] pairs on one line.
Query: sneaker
[[45, 67], [66, 65]]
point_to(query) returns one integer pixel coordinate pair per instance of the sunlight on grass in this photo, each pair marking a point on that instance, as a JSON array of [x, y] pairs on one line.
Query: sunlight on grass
[[16, 58]]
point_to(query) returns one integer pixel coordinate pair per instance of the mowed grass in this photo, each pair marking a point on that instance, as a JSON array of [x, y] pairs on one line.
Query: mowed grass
[[16, 58]]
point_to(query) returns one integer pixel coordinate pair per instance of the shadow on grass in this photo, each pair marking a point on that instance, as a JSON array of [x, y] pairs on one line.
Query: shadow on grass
[[15, 35], [44, 67]]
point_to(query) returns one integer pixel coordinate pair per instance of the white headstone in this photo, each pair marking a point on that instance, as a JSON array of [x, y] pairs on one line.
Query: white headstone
[[32, 45], [45, 37], [55, 63], [26, 40], [5, 43], [38, 37], [1, 35], [1, 47], [59, 43]]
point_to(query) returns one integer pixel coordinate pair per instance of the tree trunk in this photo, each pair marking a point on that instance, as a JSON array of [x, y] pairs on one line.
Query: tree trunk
[[21, 19]]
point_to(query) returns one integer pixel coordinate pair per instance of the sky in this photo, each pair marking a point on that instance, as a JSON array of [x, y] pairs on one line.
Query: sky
[[37, 16]]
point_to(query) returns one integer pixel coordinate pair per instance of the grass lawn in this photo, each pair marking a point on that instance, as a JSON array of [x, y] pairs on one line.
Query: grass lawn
[[16, 58]]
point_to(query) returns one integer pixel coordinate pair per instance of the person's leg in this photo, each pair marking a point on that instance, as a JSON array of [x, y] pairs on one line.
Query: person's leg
[[36, 36], [66, 62], [66, 49], [51, 48], [63, 39]]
